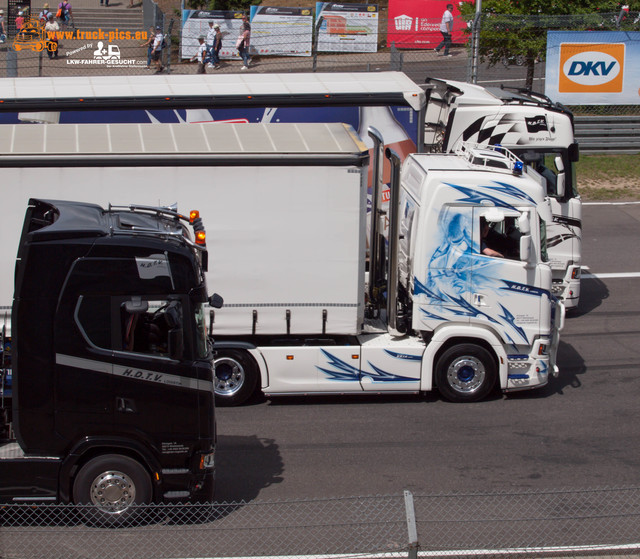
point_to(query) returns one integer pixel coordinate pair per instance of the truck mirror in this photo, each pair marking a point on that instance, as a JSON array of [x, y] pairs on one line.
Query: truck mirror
[[136, 306], [494, 215], [216, 301], [523, 224], [176, 343], [560, 185], [172, 315], [525, 248]]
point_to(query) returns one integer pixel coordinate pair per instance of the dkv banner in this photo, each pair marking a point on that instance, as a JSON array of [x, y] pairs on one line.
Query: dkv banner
[[593, 67], [415, 24]]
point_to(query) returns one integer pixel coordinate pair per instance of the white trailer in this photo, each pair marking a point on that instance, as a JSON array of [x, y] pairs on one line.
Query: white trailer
[[285, 207], [538, 131]]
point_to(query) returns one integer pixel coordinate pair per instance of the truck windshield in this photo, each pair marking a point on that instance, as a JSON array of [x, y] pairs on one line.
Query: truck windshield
[[544, 162], [202, 350]]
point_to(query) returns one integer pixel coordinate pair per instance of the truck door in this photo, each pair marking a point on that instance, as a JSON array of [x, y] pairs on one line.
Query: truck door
[[83, 365], [443, 259], [503, 292], [150, 369]]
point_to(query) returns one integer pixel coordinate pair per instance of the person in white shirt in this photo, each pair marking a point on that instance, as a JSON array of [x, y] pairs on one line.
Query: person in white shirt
[[446, 28], [156, 52], [51, 29], [201, 55], [211, 39]]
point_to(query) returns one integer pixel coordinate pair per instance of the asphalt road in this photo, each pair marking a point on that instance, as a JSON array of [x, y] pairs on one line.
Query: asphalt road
[[578, 432]]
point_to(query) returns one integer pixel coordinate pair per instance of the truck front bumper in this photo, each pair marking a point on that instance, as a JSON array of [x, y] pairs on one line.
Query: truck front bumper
[[533, 370]]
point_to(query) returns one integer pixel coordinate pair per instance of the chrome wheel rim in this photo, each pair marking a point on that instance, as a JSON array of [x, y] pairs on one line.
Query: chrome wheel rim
[[466, 375], [113, 492], [230, 376]]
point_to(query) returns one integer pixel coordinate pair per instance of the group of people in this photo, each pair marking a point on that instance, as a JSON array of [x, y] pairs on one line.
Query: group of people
[[24, 24], [208, 53]]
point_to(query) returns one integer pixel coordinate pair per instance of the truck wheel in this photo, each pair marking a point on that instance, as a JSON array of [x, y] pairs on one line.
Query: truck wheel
[[236, 377], [465, 373], [114, 485]]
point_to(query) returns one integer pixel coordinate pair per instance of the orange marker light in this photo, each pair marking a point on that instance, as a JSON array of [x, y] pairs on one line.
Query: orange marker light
[[193, 214], [201, 238]]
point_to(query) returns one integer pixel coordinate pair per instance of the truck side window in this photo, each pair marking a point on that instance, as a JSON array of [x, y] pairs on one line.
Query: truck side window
[[93, 320], [146, 328], [500, 240]]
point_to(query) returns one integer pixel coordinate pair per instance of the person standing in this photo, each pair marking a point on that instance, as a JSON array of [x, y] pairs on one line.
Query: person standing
[[201, 55], [19, 23], [211, 36], [243, 42], [156, 53], [3, 31], [51, 29], [446, 28], [44, 14], [217, 45], [65, 11], [149, 44]]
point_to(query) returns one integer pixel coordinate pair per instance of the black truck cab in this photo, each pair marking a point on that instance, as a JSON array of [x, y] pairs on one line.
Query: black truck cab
[[112, 373]]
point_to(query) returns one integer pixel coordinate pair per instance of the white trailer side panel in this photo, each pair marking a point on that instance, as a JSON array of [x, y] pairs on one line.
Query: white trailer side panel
[[287, 237]]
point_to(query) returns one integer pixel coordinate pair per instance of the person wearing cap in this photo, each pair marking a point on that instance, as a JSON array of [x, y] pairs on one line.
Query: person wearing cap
[[156, 53], [51, 29], [211, 37], [201, 55], [217, 45], [44, 14], [3, 32]]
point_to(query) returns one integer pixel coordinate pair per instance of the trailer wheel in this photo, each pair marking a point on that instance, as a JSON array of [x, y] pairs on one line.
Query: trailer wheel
[[236, 377], [465, 373], [115, 485]]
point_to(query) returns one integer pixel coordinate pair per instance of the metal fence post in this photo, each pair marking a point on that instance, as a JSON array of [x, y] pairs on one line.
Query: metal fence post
[[314, 49], [411, 525], [12, 63]]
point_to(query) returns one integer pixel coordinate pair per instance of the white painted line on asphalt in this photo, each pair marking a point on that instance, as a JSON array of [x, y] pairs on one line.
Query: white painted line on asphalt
[[568, 550], [609, 203], [556, 550], [589, 275]]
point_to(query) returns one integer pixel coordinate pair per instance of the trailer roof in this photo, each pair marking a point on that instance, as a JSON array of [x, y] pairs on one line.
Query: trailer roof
[[171, 144], [208, 91]]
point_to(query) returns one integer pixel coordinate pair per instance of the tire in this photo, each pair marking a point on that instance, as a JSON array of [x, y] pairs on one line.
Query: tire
[[235, 377], [465, 373], [113, 485]]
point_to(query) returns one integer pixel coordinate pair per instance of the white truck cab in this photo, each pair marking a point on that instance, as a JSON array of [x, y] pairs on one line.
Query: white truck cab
[[538, 131], [458, 293]]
